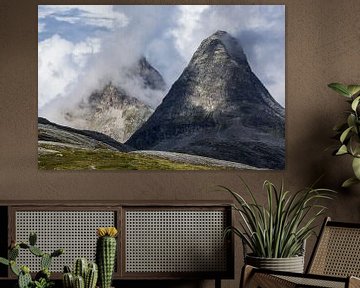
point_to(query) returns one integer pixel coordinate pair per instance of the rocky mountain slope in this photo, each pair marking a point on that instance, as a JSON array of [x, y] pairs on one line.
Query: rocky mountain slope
[[115, 112], [63, 136], [218, 108]]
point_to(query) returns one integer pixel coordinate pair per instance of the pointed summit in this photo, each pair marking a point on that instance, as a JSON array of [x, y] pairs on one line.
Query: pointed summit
[[222, 42], [218, 108]]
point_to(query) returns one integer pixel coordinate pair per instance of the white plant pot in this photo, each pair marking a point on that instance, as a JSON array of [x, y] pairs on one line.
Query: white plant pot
[[291, 264]]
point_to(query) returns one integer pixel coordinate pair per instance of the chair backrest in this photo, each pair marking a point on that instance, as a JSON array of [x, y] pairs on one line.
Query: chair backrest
[[337, 251]]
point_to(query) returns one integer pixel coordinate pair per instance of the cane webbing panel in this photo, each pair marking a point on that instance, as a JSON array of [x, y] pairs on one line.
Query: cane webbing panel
[[175, 241], [338, 252], [312, 282], [75, 231]]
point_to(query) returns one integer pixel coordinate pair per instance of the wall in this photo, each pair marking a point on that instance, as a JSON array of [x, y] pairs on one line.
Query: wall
[[322, 46]]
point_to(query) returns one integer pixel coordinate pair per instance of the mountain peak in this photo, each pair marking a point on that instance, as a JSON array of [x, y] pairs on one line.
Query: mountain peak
[[222, 43], [217, 108]]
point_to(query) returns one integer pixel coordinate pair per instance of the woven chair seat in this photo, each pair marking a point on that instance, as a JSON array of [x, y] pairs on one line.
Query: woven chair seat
[[335, 262]]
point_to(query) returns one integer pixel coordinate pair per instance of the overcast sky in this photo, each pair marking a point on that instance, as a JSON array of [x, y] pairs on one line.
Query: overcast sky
[[82, 46]]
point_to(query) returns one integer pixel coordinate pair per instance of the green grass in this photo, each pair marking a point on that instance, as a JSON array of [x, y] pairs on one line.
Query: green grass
[[103, 159]]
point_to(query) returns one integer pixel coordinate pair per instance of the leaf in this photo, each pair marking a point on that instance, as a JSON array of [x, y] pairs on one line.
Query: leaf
[[4, 261], [355, 103], [351, 120], [349, 182], [340, 88], [345, 134], [342, 150], [353, 89], [356, 167], [340, 127]]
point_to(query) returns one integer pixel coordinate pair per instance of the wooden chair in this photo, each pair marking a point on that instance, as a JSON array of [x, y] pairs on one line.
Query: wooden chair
[[335, 262]]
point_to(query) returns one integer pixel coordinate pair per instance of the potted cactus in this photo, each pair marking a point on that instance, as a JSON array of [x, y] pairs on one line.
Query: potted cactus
[[84, 275], [106, 254], [42, 278]]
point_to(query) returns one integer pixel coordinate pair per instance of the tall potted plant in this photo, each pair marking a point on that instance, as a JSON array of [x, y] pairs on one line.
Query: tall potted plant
[[348, 132], [276, 233]]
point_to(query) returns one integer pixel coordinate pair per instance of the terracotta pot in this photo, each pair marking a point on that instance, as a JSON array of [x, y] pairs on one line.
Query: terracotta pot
[[291, 264]]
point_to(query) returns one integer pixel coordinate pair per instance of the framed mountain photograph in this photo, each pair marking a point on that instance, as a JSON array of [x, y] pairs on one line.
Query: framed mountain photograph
[[161, 87]]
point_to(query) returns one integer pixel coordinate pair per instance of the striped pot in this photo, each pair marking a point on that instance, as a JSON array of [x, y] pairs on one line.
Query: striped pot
[[291, 264]]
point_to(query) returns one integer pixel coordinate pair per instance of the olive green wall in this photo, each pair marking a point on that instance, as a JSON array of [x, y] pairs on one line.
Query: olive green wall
[[322, 46]]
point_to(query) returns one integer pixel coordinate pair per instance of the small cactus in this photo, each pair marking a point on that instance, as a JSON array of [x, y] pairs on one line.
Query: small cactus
[[68, 280], [80, 268], [89, 272], [79, 282], [45, 261], [36, 251], [13, 253], [106, 254], [91, 276], [24, 278]]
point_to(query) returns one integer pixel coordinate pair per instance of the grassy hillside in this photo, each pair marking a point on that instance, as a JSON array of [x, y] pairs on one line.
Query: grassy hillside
[[70, 158]]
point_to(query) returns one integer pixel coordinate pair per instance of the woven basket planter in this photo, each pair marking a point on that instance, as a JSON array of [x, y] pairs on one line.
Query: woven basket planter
[[291, 264]]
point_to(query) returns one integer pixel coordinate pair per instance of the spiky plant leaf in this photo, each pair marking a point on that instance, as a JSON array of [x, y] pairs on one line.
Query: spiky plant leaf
[[280, 228]]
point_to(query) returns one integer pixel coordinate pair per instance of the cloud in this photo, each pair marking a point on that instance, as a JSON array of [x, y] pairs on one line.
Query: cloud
[[93, 15], [259, 28], [60, 64], [83, 47]]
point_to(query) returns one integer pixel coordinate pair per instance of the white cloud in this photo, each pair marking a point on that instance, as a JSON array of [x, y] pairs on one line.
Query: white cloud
[[93, 15], [168, 35], [60, 64], [184, 33], [259, 28], [41, 27]]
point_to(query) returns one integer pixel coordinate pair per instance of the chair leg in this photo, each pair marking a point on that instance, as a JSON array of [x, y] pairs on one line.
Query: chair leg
[[246, 274], [251, 279]]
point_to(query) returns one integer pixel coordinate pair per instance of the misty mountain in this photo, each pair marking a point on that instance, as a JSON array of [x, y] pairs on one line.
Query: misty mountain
[[114, 111], [218, 108]]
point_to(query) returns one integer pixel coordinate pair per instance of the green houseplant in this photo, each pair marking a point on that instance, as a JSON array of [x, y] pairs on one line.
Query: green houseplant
[[275, 233], [348, 132]]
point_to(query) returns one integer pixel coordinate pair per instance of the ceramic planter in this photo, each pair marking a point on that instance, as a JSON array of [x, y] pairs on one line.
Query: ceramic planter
[[291, 264]]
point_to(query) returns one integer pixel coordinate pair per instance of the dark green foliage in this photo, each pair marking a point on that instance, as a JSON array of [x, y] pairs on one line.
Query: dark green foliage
[[24, 246], [348, 132], [42, 283], [44, 273], [105, 258], [32, 239], [57, 252], [13, 253]]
